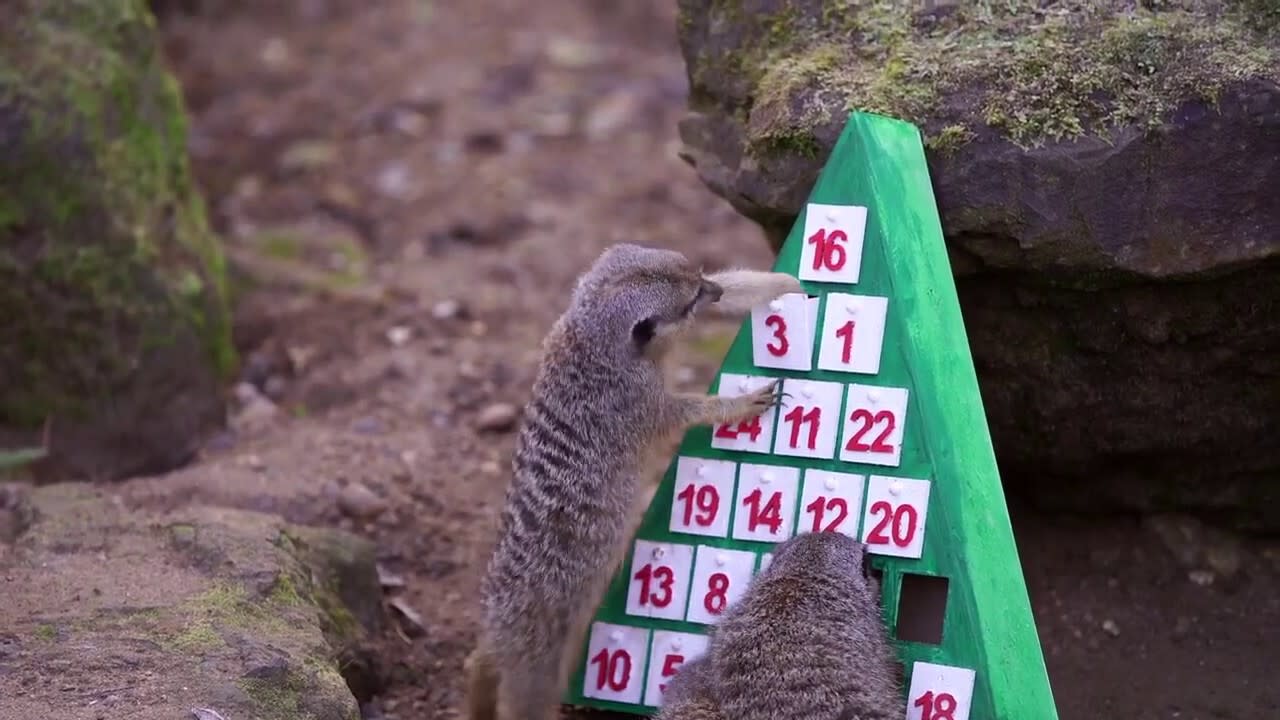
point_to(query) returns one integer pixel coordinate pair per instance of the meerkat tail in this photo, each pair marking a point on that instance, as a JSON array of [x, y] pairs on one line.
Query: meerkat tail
[[746, 289], [482, 685]]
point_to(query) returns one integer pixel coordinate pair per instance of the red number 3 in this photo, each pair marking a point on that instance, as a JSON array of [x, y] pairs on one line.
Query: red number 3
[[779, 332], [936, 707]]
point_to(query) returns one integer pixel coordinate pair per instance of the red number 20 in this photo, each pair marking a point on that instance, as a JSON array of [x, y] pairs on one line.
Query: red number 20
[[904, 519]]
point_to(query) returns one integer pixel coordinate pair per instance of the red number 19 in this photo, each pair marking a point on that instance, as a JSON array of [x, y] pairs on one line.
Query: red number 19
[[828, 253], [707, 500]]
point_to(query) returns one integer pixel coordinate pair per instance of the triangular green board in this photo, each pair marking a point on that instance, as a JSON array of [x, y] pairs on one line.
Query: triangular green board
[[883, 437]]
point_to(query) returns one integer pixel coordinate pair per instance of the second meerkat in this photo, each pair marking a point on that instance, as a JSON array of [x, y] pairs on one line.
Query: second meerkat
[[598, 405]]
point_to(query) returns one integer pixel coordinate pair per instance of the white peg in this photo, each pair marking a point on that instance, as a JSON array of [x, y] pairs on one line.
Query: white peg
[[806, 390], [659, 553], [775, 305], [831, 216], [851, 307], [830, 484], [721, 559], [676, 644], [766, 477], [701, 471], [895, 488], [873, 396], [743, 384], [615, 636]]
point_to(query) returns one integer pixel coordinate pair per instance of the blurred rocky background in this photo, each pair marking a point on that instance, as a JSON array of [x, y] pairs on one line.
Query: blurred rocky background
[[273, 278]]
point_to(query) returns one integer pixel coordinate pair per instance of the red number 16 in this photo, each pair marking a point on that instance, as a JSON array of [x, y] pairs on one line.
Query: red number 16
[[828, 252]]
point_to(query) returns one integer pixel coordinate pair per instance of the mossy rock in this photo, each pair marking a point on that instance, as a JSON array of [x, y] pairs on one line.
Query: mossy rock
[[1106, 173], [212, 607], [116, 333]]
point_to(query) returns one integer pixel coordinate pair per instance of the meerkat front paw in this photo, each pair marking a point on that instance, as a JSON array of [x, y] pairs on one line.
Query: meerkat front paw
[[757, 403]]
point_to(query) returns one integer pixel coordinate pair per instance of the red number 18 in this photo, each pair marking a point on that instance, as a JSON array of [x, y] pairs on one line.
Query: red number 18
[[936, 707]]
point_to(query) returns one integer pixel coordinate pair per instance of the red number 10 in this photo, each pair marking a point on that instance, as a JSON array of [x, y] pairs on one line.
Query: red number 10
[[615, 669], [936, 707], [828, 252]]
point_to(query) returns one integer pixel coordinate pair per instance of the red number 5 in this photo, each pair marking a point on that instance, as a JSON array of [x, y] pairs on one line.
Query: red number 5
[[828, 252], [669, 667], [936, 707]]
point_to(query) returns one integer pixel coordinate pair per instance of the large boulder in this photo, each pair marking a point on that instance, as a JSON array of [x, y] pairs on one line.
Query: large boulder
[[114, 612], [115, 334], [1107, 175]]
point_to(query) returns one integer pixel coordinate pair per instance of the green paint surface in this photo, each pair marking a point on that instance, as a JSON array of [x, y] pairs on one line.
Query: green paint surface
[[879, 163]]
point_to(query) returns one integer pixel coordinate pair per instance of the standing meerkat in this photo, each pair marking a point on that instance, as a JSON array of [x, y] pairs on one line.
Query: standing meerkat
[[599, 405], [806, 641]]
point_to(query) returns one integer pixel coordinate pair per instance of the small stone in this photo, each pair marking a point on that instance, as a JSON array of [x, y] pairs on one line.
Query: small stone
[[275, 387], [308, 155], [446, 310], [255, 463], [570, 53], [368, 426], [399, 335], [1203, 578], [490, 467], [361, 503], [394, 181], [1109, 627], [498, 417], [685, 375]]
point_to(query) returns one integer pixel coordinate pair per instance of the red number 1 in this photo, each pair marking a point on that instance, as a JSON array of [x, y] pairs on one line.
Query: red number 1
[[936, 707], [827, 252], [846, 333]]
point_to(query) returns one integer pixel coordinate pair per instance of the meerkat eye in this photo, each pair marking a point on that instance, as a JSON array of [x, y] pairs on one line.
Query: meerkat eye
[[644, 331]]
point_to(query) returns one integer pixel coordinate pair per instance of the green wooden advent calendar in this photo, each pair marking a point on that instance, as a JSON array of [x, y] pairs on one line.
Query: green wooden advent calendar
[[882, 437]]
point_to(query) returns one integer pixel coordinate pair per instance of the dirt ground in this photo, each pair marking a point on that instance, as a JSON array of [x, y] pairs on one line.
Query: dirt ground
[[408, 189]]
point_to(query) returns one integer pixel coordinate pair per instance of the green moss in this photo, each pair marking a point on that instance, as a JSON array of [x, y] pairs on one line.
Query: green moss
[[284, 592], [46, 632], [949, 139], [102, 156], [1036, 74], [198, 637]]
